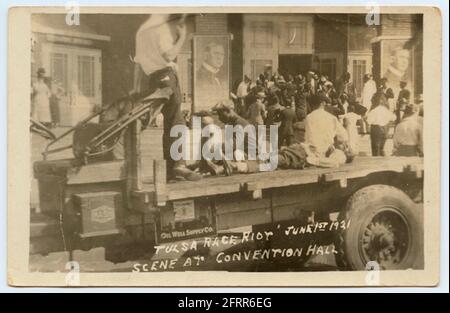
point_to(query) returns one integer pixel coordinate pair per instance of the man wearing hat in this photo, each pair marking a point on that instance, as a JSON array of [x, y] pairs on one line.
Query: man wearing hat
[[408, 134], [256, 109], [286, 129], [379, 118], [241, 93], [403, 99], [158, 43], [311, 82], [346, 86]]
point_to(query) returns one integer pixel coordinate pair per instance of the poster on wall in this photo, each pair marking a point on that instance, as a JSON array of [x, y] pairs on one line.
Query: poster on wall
[[211, 70], [397, 65]]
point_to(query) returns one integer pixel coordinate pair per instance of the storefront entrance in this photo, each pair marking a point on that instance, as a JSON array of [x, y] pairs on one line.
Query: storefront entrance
[[294, 64]]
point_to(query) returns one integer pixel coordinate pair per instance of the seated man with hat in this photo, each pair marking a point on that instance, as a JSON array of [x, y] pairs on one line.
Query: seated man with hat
[[256, 108]]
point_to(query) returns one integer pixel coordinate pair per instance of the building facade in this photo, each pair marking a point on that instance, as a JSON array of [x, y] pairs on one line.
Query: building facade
[[92, 62]]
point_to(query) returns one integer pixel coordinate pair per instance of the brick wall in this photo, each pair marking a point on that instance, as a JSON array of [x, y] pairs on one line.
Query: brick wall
[[211, 24], [398, 25]]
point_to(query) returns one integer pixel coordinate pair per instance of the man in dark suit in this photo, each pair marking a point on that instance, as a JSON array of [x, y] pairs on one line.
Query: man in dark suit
[[402, 100], [286, 130]]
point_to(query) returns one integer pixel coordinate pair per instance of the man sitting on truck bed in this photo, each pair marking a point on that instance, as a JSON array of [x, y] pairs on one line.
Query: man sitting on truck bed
[[321, 127]]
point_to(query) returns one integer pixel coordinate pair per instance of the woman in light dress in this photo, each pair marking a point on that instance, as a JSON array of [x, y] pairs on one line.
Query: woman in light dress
[[369, 89], [40, 110], [350, 120]]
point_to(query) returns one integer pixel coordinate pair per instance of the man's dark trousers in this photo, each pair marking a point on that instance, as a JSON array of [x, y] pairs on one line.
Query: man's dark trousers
[[171, 111], [378, 139]]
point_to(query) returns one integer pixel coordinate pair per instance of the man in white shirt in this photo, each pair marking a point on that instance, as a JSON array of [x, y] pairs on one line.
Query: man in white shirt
[[321, 130], [369, 89], [321, 127], [158, 43], [242, 90], [379, 119], [241, 93], [408, 135]]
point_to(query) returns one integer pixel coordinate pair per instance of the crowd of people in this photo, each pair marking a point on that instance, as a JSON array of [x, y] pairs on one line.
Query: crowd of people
[[310, 108], [319, 120]]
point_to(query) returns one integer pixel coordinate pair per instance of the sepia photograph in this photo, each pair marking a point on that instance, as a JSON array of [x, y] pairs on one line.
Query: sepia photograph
[[227, 142]]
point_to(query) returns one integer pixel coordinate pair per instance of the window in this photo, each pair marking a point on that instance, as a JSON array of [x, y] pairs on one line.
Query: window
[[297, 34], [359, 69], [258, 68], [262, 34], [328, 67], [86, 75], [59, 68]]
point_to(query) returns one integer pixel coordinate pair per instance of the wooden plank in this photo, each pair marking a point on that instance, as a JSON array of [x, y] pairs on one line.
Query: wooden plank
[[307, 195], [288, 178], [362, 172], [238, 204], [286, 212], [224, 185], [205, 187], [97, 173], [243, 218], [255, 190], [134, 167], [160, 181]]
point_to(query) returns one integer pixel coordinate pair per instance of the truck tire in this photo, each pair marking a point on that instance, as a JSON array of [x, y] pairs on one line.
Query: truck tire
[[384, 225]]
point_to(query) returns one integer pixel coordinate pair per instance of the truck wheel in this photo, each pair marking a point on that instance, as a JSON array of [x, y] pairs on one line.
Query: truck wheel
[[384, 227]]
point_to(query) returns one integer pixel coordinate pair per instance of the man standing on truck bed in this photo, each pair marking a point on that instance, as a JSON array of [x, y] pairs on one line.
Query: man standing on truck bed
[[158, 42]]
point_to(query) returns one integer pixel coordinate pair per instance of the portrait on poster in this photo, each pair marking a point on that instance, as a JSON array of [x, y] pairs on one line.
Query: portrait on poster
[[397, 67], [211, 70]]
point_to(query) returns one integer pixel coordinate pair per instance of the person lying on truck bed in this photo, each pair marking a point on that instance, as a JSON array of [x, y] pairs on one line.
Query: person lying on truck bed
[[296, 155]]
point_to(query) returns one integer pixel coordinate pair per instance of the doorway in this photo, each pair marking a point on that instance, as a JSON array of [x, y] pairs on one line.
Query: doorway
[[294, 64], [358, 65]]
